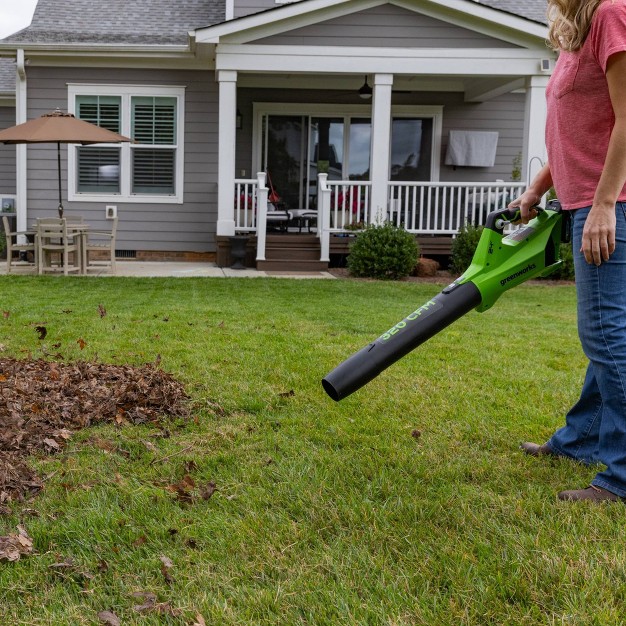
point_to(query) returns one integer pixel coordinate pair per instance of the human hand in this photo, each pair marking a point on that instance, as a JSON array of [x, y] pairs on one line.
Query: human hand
[[525, 204], [598, 242]]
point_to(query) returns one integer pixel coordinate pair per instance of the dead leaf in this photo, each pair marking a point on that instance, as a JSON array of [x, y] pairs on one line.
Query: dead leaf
[[51, 443], [6, 314], [166, 564], [81, 343], [149, 601], [42, 331], [287, 394], [102, 310], [109, 618], [13, 546], [199, 621], [140, 541]]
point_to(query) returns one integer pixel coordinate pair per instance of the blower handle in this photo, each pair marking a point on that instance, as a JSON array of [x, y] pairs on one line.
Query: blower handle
[[497, 220]]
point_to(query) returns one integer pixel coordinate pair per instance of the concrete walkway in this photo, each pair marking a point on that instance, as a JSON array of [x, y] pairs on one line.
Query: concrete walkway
[[181, 269]]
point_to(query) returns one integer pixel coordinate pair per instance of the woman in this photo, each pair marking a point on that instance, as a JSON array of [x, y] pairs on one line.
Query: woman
[[586, 145]]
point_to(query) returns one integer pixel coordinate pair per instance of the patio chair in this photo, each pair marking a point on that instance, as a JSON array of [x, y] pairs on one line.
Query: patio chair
[[53, 239], [22, 249], [102, 244]]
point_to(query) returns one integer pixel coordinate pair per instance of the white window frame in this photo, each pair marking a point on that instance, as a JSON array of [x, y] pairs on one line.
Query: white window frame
[[126, 92], [260, 109]]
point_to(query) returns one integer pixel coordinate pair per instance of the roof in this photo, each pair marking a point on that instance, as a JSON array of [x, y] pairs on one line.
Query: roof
[[163, 22], [137, 22], [534, 10]]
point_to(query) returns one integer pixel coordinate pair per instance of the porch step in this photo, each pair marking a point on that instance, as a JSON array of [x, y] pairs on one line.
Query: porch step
[[293, 253]]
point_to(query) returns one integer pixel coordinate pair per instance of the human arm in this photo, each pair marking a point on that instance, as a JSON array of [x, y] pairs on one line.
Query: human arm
[[598, 239], [540, 185]]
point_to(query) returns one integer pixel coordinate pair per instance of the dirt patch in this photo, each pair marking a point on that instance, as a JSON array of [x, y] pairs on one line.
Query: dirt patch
[[42, 403]]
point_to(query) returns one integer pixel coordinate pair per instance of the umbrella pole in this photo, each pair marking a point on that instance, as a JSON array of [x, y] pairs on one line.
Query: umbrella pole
[[59, 171]]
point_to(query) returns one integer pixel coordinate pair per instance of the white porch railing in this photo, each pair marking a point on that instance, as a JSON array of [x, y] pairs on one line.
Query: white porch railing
[[422, 208], [426, 208]]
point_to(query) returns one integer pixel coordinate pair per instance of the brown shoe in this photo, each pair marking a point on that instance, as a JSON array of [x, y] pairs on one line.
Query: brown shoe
[[534, 449], [591, 493]]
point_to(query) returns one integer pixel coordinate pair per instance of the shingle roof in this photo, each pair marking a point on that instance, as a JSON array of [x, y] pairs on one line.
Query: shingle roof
[[534, 10], [158, 22], [162, 22], [7, 75]]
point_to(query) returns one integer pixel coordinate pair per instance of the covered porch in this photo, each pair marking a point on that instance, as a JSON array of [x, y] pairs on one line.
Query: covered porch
[[356, 123], [433, 211]]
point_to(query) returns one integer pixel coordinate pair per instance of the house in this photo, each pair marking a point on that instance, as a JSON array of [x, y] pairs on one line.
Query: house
[[428, 113]]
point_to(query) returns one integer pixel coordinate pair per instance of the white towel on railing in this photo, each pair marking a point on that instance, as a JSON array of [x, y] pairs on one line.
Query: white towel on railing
[[472, 148]]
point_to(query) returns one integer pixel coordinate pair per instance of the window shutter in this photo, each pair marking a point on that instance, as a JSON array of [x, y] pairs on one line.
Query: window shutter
[[98, 170], [104, 111], [154, 120], [154, 171]]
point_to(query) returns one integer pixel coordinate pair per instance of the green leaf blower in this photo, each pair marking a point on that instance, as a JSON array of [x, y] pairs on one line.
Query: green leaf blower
[[499, 263]]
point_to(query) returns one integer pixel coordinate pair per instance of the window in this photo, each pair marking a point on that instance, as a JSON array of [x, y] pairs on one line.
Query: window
[[147, 170]]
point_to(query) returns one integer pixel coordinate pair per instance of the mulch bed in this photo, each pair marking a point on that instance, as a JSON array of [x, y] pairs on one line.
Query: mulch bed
[[42, 403]]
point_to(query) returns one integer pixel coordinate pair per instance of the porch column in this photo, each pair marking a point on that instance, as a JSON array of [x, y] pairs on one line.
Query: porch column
[[226, 152], [534, 126], [381, 146]]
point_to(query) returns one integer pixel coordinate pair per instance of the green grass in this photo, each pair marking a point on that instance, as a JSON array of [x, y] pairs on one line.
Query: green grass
[[325, 513]]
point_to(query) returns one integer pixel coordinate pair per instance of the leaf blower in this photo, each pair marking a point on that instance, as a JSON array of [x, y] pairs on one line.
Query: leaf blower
[[499, 263]]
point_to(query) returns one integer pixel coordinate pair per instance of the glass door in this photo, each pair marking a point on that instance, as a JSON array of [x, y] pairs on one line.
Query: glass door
[[296, 148]]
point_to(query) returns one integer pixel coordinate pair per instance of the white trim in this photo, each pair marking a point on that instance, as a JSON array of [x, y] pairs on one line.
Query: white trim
[[298, 14], [360, 60], [229, 10], [126, 92]]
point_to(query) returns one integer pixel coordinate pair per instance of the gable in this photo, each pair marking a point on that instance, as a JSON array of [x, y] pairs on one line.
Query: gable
[[387, 26]]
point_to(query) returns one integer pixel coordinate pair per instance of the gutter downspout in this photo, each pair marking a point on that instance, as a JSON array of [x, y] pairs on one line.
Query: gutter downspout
[[20, 117]]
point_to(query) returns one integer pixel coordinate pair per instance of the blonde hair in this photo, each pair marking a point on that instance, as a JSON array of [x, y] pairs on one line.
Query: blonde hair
[[570, 21]]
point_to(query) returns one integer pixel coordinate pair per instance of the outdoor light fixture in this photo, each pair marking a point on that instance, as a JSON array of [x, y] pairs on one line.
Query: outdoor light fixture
[[239, 119], [366, 91]]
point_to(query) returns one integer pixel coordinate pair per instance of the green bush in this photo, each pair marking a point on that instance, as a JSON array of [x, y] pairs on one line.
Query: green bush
[[565, 271], [463, 248], [385, 252]]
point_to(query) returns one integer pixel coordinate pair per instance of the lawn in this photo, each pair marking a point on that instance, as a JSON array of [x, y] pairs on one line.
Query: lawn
[[407, 503]]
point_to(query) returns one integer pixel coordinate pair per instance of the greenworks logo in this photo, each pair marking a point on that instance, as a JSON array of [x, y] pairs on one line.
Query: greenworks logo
[[426, 309], [508, 279]]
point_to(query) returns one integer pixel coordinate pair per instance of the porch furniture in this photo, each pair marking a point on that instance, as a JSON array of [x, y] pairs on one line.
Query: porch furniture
[[99, 248], [22, 249], [278, 219], [54, 238], [304, 217]]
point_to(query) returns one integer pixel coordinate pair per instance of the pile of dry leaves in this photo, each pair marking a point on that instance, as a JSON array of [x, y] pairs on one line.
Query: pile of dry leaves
[[43, 402]]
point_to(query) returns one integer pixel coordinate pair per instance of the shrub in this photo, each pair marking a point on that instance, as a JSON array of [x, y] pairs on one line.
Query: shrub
[[385, 252], [565, 271], [463, 247]]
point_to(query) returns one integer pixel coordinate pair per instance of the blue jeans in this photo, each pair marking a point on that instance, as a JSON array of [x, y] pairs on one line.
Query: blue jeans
[[595, 427]]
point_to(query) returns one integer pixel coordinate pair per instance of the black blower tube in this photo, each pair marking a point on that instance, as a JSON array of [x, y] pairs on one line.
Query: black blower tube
[[446, 307]]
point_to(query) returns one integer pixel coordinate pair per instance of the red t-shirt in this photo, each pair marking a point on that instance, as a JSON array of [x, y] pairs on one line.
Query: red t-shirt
[[580, 115]]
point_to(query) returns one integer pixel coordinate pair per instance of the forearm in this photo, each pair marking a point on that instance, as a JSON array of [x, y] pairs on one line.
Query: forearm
[[613, 175], [541, 183]]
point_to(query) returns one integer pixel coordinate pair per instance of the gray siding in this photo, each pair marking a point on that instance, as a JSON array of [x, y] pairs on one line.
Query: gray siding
[[169, 227], [534, 10], [386, 26], [504, 114], [247, 7], [7, 154]]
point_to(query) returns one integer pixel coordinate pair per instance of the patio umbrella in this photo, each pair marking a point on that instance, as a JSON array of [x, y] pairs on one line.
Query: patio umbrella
[[59, 127]]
